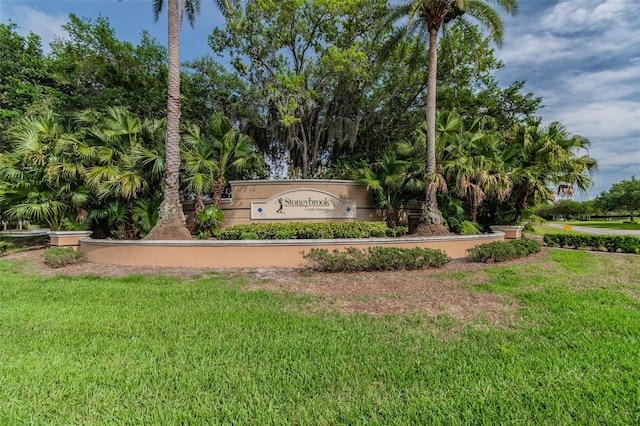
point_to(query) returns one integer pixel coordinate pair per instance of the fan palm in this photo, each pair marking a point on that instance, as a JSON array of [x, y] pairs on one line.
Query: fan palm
[[42, 178], [470, 163], [387, 180], [424, 19], [123, 162], [540, 158], [210, 155], [124, 168]]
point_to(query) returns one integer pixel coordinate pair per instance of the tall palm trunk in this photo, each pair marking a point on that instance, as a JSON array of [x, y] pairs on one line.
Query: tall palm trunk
[[171, 221], [432, 214]]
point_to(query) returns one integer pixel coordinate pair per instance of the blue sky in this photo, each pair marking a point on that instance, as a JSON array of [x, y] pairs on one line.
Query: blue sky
[[581, 56]]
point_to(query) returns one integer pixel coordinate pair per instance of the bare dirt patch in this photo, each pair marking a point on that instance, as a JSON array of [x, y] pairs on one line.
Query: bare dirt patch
[[443, 291], [434, 291]]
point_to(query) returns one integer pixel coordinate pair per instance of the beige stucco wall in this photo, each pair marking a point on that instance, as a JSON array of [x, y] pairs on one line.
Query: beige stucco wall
[[237, 210], [272, 253], [252, 254], [67, 238]]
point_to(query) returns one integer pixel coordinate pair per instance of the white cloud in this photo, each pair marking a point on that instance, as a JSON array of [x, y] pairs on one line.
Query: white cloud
[[581, 56], [612, 84], [577, 15], [532, 48], [626, 163], [48, 27], [573, 30], [603, 120]]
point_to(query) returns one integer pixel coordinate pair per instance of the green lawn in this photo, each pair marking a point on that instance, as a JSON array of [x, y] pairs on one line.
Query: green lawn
[[546, 229], [606, 224], [158, 350]]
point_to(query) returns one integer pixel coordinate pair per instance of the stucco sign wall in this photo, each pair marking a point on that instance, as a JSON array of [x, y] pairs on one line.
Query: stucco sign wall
[[304, 204]]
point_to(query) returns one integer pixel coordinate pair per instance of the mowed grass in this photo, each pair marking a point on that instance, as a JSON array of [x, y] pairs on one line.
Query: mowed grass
[[547, 229], [159, 350], [607, 224]]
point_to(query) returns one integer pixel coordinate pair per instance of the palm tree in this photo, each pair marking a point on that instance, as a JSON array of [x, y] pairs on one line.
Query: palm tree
[[540, 159], [387, 179], [470, 162], [427, 17], [210, 155], [122, 162], [123, 167], [171, 221], [41, 179]]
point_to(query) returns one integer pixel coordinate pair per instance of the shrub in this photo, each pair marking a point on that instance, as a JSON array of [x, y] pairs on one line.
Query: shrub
[[501, 251], [398, 231], [22, 242], [249, 236], [209, 220], [497, 251], [203, 235], [612, 243], [303, 230], [525, 246], [211, 217], [285, 235], [4, 246], [375, 259], [57, 257]]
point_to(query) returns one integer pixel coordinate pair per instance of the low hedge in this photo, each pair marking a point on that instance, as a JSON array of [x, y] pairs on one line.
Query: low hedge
[[57, 257], [612, 243], [375, 259], [501, 251], [308, 230]]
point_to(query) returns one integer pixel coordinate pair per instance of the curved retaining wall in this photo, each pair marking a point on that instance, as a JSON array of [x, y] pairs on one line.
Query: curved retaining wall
[[255, 253]]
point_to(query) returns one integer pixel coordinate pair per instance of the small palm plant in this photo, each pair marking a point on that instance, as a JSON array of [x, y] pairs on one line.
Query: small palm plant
[[213, 154], [387, 180]]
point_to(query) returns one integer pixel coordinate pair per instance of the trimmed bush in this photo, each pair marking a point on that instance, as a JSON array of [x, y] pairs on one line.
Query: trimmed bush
[[525, 246], [203, 235], [57, 257], [611, 243], [289, 234], [502, 251], [303, 230], [398, 231], [4, 246], [375, 259], [249, 236]]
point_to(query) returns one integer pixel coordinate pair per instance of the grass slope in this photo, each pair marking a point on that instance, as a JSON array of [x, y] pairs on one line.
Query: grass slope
[[157, 350]]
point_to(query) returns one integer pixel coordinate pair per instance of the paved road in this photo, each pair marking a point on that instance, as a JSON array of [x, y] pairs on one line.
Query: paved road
[[600, 231]]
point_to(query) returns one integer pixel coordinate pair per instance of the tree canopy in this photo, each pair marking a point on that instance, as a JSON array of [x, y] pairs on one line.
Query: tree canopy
[[305, 84], [623, 196]]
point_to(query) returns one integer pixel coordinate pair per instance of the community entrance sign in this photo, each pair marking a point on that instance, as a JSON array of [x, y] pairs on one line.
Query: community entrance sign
[[304, 204]]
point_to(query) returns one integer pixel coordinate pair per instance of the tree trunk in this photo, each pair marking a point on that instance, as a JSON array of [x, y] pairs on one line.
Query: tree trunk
[[171, 223], [218, 189], [198, 204], [472, 212], [431, 214]]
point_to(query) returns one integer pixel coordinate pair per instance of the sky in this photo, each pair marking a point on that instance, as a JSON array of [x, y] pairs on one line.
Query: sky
[[581, 56]]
